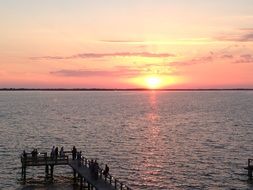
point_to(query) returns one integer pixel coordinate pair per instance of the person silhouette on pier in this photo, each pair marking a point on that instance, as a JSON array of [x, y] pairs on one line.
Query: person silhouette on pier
[[91, 168], [56, 152], [53, 152], [79, 158], [24, 155], [34, 154], [106, 171], [74, 151], [62, 152], [96, 168]]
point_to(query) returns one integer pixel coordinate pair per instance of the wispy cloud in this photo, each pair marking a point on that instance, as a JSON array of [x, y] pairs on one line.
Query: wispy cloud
[[198, 60], [103, 55], [227, 56], [122, 41], [245, 58], [230, 54], [117, 72], [243, 35]]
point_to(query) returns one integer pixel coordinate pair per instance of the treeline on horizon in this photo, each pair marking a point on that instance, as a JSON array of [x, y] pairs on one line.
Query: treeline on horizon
[[122, 89]]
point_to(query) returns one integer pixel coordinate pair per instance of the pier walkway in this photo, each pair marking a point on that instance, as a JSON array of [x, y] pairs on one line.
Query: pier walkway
[[81, 171]]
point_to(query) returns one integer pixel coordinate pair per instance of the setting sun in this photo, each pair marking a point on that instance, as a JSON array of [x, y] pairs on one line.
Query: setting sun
[[153, 82]]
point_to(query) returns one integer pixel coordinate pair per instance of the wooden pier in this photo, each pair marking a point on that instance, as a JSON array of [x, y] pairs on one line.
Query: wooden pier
[[81, 170], [249, 168]]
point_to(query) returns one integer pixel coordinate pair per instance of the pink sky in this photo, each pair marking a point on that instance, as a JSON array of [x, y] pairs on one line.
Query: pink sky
[[122, 44]]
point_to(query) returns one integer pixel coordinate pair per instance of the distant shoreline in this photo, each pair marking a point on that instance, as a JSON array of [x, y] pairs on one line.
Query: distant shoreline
[[119, 89]]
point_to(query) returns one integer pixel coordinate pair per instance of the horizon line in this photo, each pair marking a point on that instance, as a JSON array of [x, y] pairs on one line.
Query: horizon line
[[125, 89]]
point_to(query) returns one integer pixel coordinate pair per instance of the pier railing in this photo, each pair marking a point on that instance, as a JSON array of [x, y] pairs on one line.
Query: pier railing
[[42, 158], [116, 183]]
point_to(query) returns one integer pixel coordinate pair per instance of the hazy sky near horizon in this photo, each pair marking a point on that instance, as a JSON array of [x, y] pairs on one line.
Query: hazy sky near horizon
[[125, 43]]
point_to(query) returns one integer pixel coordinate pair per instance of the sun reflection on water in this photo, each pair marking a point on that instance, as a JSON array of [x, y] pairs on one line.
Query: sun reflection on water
[[150, 168]]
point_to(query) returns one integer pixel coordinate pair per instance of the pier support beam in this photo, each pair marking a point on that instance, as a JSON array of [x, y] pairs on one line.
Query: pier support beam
[[52, 171], [250, 172], [24, 173], [81, 182], [47, 171], [74, 174]]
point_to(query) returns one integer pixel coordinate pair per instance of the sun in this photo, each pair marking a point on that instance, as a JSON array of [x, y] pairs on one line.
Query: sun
[[153, 82]]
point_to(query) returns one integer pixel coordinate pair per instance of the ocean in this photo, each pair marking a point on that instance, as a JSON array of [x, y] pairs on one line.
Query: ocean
[[151, 140]]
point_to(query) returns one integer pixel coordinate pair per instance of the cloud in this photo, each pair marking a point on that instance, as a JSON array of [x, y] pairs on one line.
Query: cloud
[[230, 54], [103, 55], [245, 58], [122, 41], [117, 72], [198, 60], [227, 56], [243, 35]]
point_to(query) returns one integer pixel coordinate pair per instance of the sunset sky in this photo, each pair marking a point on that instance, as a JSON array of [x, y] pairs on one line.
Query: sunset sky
[[126, 44]]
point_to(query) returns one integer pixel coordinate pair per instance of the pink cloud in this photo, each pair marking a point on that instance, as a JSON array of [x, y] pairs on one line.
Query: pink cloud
[[243, 35], [197, 60], [230, 54], [245, 58], [102, 55], [118, 72], [122, 41]]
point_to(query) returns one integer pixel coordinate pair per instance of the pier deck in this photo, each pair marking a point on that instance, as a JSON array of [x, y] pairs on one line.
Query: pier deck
[[81, 170]]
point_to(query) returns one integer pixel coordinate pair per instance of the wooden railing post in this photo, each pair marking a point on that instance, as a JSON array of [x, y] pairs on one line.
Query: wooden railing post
[[100, 173], [110, 179], [115, 183], [86, 162]]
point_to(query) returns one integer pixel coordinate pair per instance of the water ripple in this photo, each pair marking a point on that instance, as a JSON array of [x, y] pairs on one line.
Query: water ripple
[[151, 140]]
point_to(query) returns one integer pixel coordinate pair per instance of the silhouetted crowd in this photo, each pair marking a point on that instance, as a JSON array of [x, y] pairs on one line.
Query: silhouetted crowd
[[55, 153], [94, 168], [93, 165]]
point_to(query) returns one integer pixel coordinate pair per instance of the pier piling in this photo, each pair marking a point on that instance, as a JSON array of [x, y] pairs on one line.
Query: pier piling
[[52, 171], [46, 171]]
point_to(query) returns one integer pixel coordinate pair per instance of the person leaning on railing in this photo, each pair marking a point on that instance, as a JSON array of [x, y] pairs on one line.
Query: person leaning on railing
[[79, 157]]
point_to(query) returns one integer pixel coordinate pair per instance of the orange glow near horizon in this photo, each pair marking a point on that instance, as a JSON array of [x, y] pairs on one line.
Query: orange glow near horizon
[[156, 81], [153, 82]]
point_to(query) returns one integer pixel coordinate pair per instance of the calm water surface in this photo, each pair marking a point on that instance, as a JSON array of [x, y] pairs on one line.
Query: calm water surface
[[151, 140]]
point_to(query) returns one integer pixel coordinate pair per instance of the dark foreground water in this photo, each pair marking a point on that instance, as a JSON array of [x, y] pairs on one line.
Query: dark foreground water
[[150, 140]]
